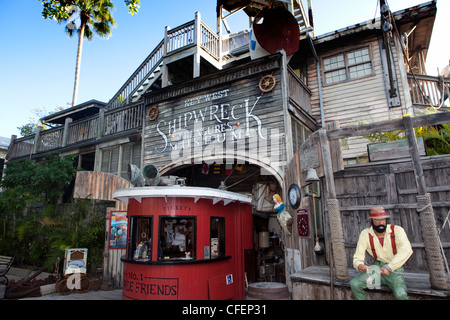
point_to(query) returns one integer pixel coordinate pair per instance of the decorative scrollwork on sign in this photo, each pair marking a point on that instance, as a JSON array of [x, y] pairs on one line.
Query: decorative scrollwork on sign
[[153, 113], [267, 83]]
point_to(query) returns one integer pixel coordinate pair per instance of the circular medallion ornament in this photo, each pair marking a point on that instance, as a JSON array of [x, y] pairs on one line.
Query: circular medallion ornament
[[153, 113], [267, 83]]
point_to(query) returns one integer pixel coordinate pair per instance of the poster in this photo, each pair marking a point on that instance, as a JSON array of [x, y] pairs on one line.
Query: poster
[[118, 230]]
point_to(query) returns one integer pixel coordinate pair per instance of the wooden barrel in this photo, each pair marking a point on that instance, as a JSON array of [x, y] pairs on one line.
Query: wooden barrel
[[267, 291]]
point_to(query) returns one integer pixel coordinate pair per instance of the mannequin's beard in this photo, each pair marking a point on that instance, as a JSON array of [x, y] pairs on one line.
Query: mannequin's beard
[[380, 228]]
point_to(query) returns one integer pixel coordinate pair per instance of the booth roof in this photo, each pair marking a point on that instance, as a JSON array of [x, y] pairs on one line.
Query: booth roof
[[197, 193]]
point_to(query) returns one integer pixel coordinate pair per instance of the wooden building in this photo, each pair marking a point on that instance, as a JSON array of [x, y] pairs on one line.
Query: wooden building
[[204, 107]]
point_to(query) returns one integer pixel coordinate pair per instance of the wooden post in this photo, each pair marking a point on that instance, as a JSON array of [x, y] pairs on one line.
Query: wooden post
[[37, 140], [219, 29], [100, 123], [164, 69], [66, 131], [334, 215], [285, 99], [435, 262], [327, 165], [198, 41], [415, 156]]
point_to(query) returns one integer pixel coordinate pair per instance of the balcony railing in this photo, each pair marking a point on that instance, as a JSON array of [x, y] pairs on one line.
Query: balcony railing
[[72, 133], [193, 33], [427, 91]]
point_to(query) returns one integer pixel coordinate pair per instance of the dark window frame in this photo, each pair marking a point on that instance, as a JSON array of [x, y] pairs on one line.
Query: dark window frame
[[132, 230], [160, 256], [221, 236]]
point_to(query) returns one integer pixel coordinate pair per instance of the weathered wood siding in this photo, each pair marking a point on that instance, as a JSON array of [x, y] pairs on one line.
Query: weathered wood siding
[[112, 265], [358, 100], [392, 185], [99, 185], [224, 110]]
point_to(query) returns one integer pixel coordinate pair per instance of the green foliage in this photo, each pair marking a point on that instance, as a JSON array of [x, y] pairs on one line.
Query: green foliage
[[28, 182], [39, 236], [437, 138], [61, 9]]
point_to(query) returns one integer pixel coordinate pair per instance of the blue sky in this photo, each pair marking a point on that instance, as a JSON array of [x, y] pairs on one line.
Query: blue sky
[[37, 59]]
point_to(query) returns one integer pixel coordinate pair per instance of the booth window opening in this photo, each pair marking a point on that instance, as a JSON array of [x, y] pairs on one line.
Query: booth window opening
[[217, 233], [140, 246], [177, 238]]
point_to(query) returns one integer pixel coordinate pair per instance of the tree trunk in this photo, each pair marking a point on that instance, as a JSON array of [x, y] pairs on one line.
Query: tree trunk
[[78, 64]]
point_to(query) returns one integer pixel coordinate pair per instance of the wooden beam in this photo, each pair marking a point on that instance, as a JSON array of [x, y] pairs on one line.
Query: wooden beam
[[415, 156], [388, 125]]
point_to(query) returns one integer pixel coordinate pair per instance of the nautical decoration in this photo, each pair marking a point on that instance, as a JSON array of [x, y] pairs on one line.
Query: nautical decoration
[[284, 218], [153, 113], [267, 83]]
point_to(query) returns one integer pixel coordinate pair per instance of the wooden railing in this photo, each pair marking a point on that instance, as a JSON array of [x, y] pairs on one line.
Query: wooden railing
[[180, 37], [50, 139], [298, 91], [138, 78], [209, 41], [83, 130], [427, 90], [123, 120], [90, 129], [22, 147], [187, 35]]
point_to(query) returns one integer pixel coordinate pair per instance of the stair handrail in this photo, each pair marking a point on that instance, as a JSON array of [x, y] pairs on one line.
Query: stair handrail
[[135, 81]]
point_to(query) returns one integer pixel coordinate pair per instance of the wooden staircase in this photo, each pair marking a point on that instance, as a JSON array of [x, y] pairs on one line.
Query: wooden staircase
[[300, 15], [193, 33]]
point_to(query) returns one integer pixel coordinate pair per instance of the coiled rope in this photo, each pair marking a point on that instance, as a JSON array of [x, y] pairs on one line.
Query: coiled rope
[[431, 240]]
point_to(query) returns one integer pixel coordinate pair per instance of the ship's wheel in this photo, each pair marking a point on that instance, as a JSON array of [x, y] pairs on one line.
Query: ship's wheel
[[153, 113], [267, 83]]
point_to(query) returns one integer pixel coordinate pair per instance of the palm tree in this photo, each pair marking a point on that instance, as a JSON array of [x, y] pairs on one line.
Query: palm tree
[[95, 17]]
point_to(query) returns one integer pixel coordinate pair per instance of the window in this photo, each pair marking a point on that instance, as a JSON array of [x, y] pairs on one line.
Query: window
[[177, 238], [217, 236], [129, 153], [347, 66], [299, 133], [140, 246]]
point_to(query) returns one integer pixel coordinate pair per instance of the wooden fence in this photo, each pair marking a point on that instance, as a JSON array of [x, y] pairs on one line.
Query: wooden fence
[[101, 185], [400, 188], [392, 185]]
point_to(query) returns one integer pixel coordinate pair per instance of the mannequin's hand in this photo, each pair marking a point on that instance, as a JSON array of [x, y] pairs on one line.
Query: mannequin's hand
[[384, 271], [362, 268]]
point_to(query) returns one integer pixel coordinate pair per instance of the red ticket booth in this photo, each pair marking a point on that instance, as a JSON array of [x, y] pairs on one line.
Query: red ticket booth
[[185, 243]]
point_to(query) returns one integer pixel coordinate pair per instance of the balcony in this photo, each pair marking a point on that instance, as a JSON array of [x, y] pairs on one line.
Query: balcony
[[124, 111], [102, 126], [427, 91]]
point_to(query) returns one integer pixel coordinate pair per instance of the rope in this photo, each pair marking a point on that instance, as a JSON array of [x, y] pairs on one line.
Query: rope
[[431, 239], [339, 254]]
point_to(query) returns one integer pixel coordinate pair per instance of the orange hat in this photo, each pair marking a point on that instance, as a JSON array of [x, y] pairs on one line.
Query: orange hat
[[378, 213]]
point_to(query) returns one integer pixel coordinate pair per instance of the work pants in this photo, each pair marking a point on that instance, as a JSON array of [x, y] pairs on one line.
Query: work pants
[[394, 281]]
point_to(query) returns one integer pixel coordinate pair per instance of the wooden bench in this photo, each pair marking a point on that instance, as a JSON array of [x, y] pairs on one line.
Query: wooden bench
[[313, 283], [5, 265]]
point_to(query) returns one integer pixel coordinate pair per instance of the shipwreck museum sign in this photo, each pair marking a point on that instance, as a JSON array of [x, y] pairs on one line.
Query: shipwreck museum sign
[[234, 121]]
